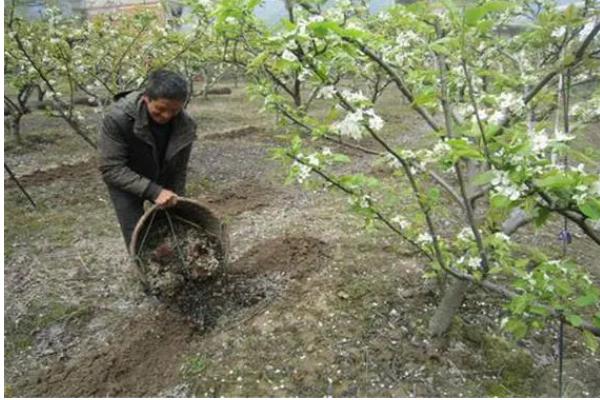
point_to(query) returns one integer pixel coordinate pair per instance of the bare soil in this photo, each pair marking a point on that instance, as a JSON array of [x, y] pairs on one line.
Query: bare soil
[[311, 304]]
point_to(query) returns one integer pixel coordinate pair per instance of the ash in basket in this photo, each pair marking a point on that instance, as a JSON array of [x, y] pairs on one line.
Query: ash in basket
[[175, 248]]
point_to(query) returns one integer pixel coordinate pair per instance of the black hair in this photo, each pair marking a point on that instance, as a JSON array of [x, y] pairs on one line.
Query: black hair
[[165, 84]]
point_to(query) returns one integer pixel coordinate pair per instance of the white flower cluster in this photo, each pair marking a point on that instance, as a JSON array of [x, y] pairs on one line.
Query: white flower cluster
[[353, 97], [424, 238], [406, 39], [502, 236], [582, 193], [465, 235], [539, 141], [304, 170], [391, 161], [401, 222], [352, 124], [473, 262], [558, 32], [289, 56], [587, 110], [327, 92], [504, 186], [511, 101]]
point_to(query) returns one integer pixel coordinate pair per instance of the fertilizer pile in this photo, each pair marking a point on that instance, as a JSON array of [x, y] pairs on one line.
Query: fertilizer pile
[[177, 254]]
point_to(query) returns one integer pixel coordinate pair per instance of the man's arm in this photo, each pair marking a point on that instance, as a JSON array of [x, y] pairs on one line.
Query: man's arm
[[113, 163], [178, 177]]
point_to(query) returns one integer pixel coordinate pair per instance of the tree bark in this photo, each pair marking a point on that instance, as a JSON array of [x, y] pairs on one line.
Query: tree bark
[[448, 307]]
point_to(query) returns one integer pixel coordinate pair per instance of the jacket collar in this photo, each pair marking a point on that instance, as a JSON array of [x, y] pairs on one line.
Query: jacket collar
[[183, 134]]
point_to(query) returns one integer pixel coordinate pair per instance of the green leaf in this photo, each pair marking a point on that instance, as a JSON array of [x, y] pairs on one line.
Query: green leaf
[[587, 300], [591, 341], [499, 201], [591, 208], [520, 304], [556, 181], [517, 327], [425, 97], [321, 29], [440, 48], [433, 195], [539, 310], [574, 320], [484, 178], [474, 15], [541, 216], [341, 158], [463, 149]]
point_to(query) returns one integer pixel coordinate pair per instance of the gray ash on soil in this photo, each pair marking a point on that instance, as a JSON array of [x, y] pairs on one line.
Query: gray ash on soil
[[182, 265], [203, 303]]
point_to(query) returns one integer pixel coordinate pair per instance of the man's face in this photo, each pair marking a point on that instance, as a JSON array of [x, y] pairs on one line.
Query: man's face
[[163, 110]]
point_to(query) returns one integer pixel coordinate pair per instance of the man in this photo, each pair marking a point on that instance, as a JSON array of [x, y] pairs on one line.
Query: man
[[145, 144]]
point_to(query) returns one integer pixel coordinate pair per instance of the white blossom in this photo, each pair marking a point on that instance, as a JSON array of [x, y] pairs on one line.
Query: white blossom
[[398, 220], [441, 148], [289, 56], [511, 101], [312, 160], [595, 188], [497, 117], [326, 151], [231, 20], [305, 73], [351, 125], [504, 186], [465, 235], [539, 141], [474, 262], [560, 136], [375, 121], [391, 160], [365, 201], [502, 236], [581, 195], [558, 32], [304, 172], [353, 97], [404, 39], [424, 238], [327, 92]]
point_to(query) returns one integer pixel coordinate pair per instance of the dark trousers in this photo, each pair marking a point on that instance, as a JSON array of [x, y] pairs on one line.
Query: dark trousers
[[129, 209]]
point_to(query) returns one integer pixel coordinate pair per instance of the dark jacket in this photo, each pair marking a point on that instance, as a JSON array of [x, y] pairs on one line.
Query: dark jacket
[[128, 156]]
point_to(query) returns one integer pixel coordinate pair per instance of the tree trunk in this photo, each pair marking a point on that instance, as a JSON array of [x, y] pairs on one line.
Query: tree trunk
[[456, 289], [449, 305], [15, 126]]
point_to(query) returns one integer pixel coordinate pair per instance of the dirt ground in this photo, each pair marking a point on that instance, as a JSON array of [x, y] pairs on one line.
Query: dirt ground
[[311, 304]]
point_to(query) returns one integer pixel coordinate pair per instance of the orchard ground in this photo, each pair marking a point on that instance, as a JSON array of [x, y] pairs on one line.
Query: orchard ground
[[313, 305]]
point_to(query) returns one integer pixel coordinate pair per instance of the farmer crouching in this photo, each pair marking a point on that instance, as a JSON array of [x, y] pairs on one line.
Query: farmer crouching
[[145, 144]]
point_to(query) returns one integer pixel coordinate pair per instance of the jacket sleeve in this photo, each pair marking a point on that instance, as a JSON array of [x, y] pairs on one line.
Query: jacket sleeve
[[178, 175], [113, 163]]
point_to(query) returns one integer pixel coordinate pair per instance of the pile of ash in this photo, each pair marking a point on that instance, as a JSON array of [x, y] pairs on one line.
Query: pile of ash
[[176, 254]]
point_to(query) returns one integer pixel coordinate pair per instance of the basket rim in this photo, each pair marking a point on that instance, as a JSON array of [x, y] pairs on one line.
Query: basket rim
[[154, 208]]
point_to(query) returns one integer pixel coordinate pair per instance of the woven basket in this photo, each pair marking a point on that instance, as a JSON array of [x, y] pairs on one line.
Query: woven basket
[[190, 211]]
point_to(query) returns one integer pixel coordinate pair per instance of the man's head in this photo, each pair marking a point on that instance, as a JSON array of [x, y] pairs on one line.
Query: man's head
[[165, 95]]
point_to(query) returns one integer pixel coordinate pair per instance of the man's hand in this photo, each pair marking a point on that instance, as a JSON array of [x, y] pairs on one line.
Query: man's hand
[[166, 199]]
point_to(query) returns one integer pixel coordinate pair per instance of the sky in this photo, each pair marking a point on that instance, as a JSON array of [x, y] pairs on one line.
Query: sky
[[271, 10]]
